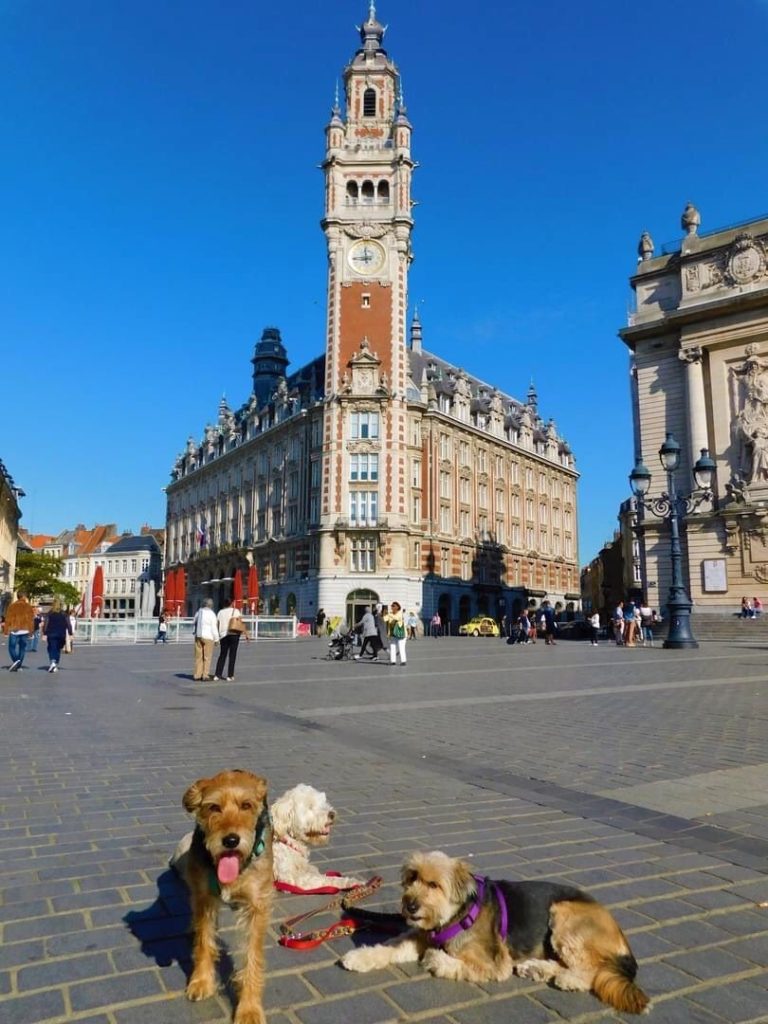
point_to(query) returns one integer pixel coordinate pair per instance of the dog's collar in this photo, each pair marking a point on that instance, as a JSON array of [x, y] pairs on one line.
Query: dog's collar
[[443, 935], [263, 822], [287, 842]]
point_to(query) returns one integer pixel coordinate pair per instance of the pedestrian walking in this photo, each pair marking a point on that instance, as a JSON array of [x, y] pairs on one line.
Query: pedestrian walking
[[594, 625], [19, 625], [436, 625], [412, 625], [366, 627], [34, 639], [382, 642], [646, 625], [617, 621], [397, 632], [206, 633], [162, 631], [231, 628], [57, 627], [549, 623], [320, 622], [630, 624]]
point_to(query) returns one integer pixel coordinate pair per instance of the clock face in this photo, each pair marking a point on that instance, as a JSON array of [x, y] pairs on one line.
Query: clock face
[[366, 257]]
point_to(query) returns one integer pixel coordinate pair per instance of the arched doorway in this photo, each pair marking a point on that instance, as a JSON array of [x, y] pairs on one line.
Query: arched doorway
[[444, 610], [274, 604], [356, 602], [465, 609]]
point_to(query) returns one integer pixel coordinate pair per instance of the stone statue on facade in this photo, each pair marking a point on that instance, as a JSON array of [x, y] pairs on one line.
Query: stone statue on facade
[[645, 247], [690, 220], [752, 419]]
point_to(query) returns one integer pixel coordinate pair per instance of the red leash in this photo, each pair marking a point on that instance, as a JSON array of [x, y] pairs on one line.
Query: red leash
[[346, 926], [321, 890]]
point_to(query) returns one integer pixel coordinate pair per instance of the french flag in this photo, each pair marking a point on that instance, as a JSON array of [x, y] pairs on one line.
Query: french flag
[[201, 539]]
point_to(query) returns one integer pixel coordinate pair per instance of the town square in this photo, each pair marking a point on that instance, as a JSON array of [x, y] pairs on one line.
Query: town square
[[384, 514]]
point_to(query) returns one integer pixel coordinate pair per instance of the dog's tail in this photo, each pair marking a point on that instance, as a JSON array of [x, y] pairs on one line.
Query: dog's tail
[[615, 984]]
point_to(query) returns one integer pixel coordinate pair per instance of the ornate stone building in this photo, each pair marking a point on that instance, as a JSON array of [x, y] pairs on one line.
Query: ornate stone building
[[699, 343], [379, 471], [10, 514]]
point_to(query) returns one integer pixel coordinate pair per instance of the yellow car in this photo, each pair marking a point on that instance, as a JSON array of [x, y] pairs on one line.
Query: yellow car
[[481, 625]]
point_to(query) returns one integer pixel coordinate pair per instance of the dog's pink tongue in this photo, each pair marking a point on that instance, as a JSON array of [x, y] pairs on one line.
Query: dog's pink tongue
[[228, 868]]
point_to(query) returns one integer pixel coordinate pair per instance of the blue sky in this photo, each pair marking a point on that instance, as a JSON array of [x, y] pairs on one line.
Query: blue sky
[[160, 204]]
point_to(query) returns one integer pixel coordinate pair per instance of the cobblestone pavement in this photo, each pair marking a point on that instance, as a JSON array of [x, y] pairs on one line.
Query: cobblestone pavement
[[639, 774]]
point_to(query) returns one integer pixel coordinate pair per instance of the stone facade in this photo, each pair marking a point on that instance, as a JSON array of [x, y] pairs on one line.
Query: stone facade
[[10, 514], [379, 471], [699, 343]]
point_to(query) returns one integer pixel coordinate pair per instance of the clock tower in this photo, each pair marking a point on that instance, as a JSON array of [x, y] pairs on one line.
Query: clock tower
[[368, 225]]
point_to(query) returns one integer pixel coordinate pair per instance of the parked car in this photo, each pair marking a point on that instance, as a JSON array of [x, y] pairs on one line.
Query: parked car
[[481, 625]]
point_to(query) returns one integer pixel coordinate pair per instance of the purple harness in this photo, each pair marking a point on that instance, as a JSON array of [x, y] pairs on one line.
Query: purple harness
[[439, 938]]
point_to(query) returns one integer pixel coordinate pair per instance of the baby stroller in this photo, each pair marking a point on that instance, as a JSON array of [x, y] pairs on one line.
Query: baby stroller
[[341, 646]]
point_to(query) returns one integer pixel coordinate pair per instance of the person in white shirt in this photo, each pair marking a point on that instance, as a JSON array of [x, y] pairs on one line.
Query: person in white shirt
[[206, 630], [231, 628], [594, 622]]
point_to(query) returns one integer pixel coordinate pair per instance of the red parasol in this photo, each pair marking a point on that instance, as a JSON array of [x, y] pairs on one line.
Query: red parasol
[[97, 592], [181, 592], [253, 589], [169, 594], [237, 589]]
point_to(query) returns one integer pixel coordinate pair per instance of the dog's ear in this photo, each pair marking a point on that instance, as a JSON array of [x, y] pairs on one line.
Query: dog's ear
[[463, 884], [283, 818], [194, 796], [257, 785]]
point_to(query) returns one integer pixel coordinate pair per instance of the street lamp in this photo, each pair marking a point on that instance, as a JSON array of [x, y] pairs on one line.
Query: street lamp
[[671, 505]]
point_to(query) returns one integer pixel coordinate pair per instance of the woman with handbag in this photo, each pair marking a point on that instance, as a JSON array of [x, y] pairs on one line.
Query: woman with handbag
[[231, 628], [397, 633]]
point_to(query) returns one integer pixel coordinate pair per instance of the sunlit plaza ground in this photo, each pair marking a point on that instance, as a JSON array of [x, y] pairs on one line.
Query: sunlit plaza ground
[[639, 774]]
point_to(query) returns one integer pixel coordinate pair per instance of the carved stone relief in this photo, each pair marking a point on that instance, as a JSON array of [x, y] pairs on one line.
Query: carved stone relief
[[750, 398], [745, 262]]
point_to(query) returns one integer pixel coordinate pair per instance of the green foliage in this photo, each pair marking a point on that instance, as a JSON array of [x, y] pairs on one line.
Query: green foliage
[[39, 575]]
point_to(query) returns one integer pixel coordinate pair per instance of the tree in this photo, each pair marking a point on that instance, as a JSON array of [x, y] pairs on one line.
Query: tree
[[39, 575]]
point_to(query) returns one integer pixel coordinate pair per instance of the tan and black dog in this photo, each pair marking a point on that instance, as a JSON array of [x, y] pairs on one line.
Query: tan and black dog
[[229, 859], [469, 928]]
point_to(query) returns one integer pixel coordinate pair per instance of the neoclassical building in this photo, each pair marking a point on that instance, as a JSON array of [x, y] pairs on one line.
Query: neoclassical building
[[698, 338], [378, 471], [10, 514]]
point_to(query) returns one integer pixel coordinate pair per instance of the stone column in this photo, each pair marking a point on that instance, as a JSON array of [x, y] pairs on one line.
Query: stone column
[[697, 410]]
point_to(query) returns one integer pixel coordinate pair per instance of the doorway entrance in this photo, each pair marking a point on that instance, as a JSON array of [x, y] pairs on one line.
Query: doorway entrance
[[356, 602]]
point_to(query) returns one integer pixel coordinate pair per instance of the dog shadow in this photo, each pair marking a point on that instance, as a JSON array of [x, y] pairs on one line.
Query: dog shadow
[[163, 931]]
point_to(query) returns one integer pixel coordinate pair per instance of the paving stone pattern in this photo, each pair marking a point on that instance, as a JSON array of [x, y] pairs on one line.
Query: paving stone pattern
[[532, 762]]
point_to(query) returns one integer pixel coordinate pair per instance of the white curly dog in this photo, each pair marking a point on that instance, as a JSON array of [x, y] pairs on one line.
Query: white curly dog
[[302, 818]]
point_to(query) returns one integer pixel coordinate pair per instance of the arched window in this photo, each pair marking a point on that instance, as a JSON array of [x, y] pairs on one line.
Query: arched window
[[383, 191], [367, 193], [352, 191], [369, 103]]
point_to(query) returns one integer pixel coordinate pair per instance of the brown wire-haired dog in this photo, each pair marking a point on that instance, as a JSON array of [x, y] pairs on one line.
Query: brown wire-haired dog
[[229, 859], [469, 928]]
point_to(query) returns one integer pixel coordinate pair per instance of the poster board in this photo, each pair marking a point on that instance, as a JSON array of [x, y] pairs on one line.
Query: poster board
[[715, 576]]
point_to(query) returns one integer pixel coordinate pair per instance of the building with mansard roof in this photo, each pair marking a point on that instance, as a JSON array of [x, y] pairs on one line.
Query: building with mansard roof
[[379, 471]]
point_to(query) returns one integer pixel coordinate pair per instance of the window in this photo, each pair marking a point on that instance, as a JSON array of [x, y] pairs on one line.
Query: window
[[416, 508], [125, 565], [367, 193], [445, 484], [134, 565], [542, 483], [417, 555], [543, 513], [568, 547], [317, 432], [444, 404], [529, 539], [293, 485], [464, 523], [500, 535], [363, 554], [445, 519], [416, 433], [383, 191], [514, 473], [464, 453], [314, 474], [515, 535], [365, 300], [529, 508], [529, 478], [543, 541], [293, 519], [369, 103], [314, 509], [514, 504], [482, 460], [445, 446], [464, 489], [444, 561], [363, 506], [364, 467], [277, 522], [416, 473], [352, 192], [465, 565], [499, 465], [482, 495], [499, 501], [364, 425], [482, 526]]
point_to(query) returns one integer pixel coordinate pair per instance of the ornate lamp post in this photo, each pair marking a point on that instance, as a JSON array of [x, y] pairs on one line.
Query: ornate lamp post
[[671, 505]]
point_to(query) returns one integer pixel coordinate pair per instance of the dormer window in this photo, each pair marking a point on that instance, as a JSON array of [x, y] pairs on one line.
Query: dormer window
[[369, 103]]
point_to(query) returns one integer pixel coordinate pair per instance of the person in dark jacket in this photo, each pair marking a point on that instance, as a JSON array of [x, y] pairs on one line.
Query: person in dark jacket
[[57, 625], [381, 628], [550, 625]]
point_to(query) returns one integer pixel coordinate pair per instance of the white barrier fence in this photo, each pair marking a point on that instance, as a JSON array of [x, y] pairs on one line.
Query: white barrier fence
[[144, 631]]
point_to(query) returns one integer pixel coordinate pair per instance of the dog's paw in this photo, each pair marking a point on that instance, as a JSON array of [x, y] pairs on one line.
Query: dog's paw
[[249, 1015], [441, 964], [200, 988], [356, 960], [534, 970]]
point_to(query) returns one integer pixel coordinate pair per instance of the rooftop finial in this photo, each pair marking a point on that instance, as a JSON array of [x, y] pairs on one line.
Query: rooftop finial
[[400, 95], [371, 11], [336, 107]]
